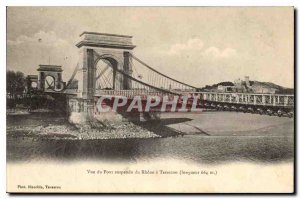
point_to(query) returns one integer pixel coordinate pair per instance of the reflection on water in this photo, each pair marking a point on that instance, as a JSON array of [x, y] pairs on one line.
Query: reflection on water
[[198, 148]]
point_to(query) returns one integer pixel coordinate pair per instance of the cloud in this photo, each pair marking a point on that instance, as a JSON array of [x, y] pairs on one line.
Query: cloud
[[197, 63], [40, 38], [200, 64], [25, 53], [196, 46], [216, 52], [192, 44]]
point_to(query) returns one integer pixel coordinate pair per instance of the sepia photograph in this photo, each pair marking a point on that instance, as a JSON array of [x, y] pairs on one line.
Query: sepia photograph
[[150, 100]]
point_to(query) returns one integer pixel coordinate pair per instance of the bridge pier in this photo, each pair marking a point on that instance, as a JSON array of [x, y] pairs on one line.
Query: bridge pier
[[83, 111], [80, 111]]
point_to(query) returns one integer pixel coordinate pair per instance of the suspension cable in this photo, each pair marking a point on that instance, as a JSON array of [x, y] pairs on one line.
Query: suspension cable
[[143, 63]]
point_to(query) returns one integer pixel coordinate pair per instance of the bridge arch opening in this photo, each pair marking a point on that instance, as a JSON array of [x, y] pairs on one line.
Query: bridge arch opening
[[49, 82], [105, 75], [105, 72], [33, 85]]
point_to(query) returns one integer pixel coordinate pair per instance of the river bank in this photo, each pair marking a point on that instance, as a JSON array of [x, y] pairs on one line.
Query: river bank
[[26, 111], [83, 132], [206, 137], [46, 124], [54, 125]]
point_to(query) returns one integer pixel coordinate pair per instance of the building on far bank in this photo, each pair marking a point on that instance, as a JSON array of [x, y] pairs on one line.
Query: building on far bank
[[247, 86], [225, 87]]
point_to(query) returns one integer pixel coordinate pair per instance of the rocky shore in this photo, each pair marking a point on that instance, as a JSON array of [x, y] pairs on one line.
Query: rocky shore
[[82, 132], [24, 111], [45, 124]]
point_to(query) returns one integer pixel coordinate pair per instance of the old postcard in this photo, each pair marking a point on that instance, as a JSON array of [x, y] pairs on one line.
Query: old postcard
[[150, 100]]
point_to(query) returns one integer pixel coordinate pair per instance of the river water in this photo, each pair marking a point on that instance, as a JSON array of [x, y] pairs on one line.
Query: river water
[[266, 144]]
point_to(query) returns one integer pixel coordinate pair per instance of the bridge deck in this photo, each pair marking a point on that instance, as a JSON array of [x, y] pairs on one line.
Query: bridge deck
[[232, 98]]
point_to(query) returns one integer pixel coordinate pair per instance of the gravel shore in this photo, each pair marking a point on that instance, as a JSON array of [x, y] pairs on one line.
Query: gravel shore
[[57, 127], [82, 132]]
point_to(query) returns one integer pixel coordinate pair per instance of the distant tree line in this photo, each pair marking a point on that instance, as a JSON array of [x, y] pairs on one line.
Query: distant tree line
[[278, 89], [19, 97], [15, 83], [214, 86], [287, 91]]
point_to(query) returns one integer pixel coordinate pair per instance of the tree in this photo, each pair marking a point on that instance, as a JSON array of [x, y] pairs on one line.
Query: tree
[[15, 83]]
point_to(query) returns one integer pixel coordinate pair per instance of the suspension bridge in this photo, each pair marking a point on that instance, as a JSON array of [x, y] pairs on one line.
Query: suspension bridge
[[108, 68]]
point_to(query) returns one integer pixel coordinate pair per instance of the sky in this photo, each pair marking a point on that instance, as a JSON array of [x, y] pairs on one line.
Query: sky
[[196, 45]]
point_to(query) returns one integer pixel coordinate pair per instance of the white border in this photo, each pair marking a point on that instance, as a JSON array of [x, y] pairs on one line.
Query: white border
[[153, 3], [3, 5]]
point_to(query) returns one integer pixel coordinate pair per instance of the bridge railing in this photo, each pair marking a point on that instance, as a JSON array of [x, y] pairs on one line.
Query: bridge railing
[[129, 93], [234, 98], [245, 98]]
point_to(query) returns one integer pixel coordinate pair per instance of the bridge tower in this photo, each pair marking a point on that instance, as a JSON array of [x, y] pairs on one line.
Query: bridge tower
[[55, 74], [110, 48]]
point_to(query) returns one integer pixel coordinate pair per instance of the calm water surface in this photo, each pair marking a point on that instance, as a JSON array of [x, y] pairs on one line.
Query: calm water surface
[[198, 148]]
